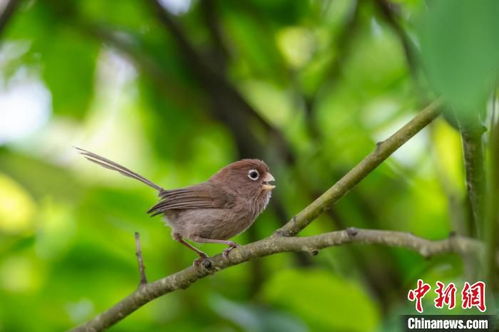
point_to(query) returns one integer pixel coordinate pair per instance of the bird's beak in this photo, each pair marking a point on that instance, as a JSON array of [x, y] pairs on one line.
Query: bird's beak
[[266, 182]]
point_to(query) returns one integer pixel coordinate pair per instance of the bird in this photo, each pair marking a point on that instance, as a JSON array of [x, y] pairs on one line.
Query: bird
[[213, 211]]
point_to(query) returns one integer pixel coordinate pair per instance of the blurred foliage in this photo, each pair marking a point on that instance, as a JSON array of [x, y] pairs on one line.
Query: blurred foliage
[[309, 86], [461, 51]]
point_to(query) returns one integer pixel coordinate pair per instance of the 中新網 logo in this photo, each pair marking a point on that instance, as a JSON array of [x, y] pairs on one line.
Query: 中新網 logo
[[472, 295]]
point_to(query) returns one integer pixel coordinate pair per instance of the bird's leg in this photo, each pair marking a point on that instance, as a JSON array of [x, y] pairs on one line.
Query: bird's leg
[[226, 252], [202, 255]]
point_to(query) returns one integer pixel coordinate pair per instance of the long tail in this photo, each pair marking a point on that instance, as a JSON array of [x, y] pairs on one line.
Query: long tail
[[104, 162]]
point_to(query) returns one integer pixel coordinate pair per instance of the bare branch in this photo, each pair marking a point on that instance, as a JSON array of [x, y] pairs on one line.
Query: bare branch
[[274, 245], [471, 134], [360, 171], [140, 260]]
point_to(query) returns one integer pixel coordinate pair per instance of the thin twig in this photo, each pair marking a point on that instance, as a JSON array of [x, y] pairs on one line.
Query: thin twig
[[360, 171], [471, 134], [140, 260]]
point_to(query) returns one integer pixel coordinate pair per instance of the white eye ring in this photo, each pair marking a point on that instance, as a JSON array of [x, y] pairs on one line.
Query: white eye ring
[[253, 174]]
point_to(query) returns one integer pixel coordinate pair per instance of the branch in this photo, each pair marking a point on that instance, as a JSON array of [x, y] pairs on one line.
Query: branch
[[355, 175], [140, 260], [457, 210], [274, 245], [471, 134], [7, 13]]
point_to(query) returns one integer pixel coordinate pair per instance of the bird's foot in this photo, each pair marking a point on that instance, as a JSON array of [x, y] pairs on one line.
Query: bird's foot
[[203, 261], [227, 251]]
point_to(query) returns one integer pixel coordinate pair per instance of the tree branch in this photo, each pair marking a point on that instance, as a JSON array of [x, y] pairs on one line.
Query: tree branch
[[355, 175], [274, 245], [471, 134], [140, 260]]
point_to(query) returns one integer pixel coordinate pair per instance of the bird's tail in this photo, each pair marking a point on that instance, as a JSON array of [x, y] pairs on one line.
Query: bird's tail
[[104, 162]]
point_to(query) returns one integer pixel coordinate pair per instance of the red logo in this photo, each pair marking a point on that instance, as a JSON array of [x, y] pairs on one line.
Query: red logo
[[474, 296], [418, 294], [446, 295], [471, 295]]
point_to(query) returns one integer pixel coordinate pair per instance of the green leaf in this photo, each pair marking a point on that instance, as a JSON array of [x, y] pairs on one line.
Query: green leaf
[[69, 63], [460, 49]]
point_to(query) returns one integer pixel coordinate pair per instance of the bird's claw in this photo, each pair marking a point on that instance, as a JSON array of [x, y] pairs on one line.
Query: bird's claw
[[203, 260], [227, 250]]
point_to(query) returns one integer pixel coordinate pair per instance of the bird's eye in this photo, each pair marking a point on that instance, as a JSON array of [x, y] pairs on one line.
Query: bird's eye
[[253, 174]]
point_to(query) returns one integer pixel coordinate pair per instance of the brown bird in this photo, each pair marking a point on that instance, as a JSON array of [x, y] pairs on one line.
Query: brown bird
[[213, 211]]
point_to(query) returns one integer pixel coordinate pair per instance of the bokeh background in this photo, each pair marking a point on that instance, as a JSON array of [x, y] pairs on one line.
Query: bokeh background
[[176, 89]]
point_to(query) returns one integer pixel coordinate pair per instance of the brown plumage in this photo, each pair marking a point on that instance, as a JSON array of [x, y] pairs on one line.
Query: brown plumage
[[213, 211]]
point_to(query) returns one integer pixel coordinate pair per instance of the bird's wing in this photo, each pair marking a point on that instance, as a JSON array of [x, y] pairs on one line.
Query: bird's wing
[[202, 196]]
